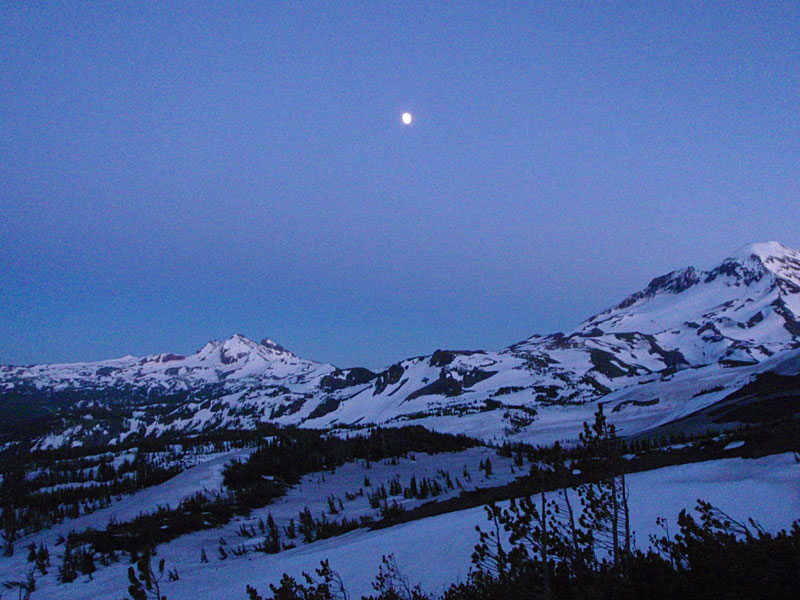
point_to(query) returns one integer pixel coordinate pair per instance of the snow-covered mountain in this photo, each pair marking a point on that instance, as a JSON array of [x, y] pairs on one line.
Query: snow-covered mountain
[[745, 309], [218, 361], [687, 339]]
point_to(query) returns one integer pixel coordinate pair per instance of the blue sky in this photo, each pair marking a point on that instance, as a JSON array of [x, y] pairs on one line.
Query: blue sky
[[178, 172]]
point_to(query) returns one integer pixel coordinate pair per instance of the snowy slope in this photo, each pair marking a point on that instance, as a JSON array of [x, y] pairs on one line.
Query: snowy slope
[[734, 485], [713, 328]]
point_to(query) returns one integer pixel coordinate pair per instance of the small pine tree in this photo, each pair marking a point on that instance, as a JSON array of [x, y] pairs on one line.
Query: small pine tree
[[391, 582], [329, 586], [42, 558], [307, 526], [291, 532], [332, 509], [68, 571], [85, 562], [424, 489], [273, 536], [146, 585]]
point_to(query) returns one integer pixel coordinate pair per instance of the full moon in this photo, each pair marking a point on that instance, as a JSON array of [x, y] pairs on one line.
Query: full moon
[[407, 118]]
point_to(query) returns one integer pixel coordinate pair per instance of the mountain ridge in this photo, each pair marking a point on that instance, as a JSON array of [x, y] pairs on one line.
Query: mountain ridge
[[740, 313]]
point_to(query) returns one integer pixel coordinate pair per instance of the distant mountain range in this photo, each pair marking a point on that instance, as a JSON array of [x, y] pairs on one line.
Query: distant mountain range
[[688, 340]]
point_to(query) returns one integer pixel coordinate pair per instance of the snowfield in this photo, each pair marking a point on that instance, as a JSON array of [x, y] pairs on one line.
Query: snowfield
[[432, 552]]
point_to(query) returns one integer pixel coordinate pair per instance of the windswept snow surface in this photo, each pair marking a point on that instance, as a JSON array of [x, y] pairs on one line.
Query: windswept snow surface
[[435, 552]]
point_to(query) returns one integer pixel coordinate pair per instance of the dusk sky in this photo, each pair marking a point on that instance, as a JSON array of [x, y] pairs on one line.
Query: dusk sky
[[178, 172]]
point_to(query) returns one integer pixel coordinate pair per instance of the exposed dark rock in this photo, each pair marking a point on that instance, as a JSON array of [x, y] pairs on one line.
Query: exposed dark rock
[[674, 282], [755, 319], [341, 379], [625, 403], [447, 385], [594, 332], [672, 358], [599, 387], [389, 377], [399, 387], [106, 371], [268, 343], [790, 324], [606, 363], [442, 358], [475, 376], [444, 386], [325, 407], [287, 408]]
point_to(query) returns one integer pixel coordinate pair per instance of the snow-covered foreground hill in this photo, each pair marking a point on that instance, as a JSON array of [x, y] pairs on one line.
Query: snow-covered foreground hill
[[721, 326], [435, 552]]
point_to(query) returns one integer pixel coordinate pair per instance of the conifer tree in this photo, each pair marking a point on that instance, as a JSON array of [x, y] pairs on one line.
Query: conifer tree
[[606, 511], [68, 570], [306, 526], [146, 586], [84, 561], [42, 558], [291, 533], [31, 552], [273, 536]]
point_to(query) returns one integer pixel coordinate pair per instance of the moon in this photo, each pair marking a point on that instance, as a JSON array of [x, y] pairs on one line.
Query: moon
[[407, 118]]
